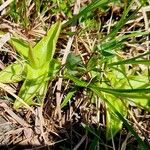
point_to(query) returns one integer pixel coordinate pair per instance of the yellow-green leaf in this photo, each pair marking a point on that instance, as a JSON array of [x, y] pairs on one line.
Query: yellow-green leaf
[[44, 50], [113, 123], [12, 73], [20, 46], [34, 83]]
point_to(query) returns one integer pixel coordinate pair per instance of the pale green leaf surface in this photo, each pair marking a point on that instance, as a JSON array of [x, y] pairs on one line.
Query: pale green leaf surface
[[136, 83], [40, 67], [28, 91], [113, 123], [20, 46], [12, 73], [143, 102], [54, 67], [32, 58], [134, 95], [44, 50], [35, 81], [130, 128]]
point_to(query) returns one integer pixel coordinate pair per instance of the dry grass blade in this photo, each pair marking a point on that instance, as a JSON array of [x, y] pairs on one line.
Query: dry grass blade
[[4, 39], [66, 52], [5, 4], [7, 89], [39, 123], [95, 34], [14, 116], [79, 144], [59, 83]]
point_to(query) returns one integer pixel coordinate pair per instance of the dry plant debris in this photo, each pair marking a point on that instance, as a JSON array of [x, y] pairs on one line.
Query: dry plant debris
[[81, 121]]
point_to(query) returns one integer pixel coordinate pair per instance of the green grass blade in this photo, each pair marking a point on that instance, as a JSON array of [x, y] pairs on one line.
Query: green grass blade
[[134, 95], [77, 81], [135, 62], [133, 34], [68, 97], [90, 7], [118, 42], [124, 19], [107, 90], [128, 61], [90, 130], [132, 61]]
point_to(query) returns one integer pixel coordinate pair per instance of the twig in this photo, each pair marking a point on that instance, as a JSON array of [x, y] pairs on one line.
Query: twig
[[67, 51], [81, 141], [13, 115], [5, 4]]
